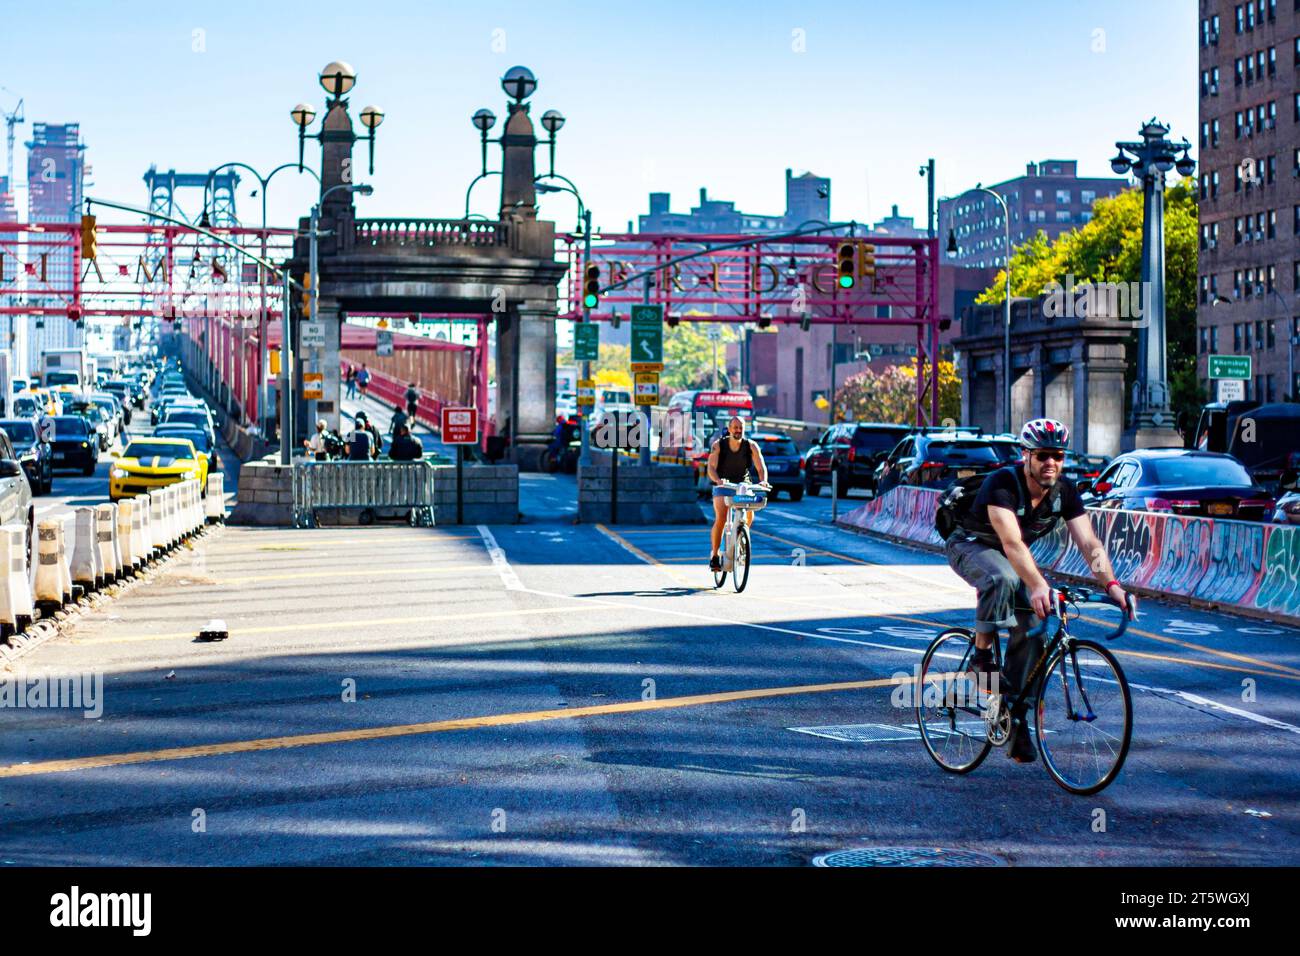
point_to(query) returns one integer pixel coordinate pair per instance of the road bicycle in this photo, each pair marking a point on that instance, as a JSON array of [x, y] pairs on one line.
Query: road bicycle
[[1083, 712], [736, 550]]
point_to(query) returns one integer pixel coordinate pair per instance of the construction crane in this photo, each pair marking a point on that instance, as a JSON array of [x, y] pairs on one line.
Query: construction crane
[[11, 120]]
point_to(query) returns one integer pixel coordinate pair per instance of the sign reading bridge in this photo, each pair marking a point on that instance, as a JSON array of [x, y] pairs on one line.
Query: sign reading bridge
[[1230, 366]]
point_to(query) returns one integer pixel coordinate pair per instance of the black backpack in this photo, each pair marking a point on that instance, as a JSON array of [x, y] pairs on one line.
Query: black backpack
[[955, 503]]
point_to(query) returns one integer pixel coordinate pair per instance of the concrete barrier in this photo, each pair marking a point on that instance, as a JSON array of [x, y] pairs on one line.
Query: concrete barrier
[[87, 566], [157, 521], [215, 502], [67, 523], [141, 548], [1246, 566], [655, 494], [48, 586], [16, 607], [125, 544], [106, 539]]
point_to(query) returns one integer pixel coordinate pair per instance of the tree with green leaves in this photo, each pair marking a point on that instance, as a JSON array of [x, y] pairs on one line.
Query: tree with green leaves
[[1109, 249]]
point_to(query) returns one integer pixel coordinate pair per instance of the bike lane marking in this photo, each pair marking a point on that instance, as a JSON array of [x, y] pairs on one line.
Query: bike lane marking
[[431, 727], [499, 562]]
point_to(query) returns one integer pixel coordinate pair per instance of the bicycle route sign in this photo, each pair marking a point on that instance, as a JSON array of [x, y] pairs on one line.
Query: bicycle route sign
[[647, 338], [586, 342]]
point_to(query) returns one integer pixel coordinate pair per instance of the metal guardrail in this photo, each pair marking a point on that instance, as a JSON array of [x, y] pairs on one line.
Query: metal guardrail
[[363, 485]]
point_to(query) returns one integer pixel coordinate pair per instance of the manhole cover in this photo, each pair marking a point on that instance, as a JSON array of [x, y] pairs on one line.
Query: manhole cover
[[906, 856]]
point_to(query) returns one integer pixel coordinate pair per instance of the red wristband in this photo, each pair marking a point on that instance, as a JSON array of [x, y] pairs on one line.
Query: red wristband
[[1114, 584]]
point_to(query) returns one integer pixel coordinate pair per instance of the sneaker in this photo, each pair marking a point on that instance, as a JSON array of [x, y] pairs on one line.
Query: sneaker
[[715, 563], [1021, 748], [981, 661]]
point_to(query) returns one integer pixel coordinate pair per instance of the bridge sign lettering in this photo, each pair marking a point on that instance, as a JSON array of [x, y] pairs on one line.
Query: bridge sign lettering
[[1230, 366]]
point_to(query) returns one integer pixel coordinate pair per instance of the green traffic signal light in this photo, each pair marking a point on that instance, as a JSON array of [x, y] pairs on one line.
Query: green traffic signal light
[[846, 282], [590, 300]]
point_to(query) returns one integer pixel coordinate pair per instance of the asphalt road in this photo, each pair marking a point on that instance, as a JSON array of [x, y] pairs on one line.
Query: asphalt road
[[556, 694]]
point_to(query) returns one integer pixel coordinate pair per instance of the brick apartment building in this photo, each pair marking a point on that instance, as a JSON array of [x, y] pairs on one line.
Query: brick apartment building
[[1249, 188]]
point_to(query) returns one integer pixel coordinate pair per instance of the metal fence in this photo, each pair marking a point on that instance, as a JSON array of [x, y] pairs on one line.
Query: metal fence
[[362, 485]]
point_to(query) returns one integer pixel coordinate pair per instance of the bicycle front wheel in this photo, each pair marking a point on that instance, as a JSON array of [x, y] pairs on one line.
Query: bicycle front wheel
[[720, 577], [1084, 717], [950, 704], [740, 571]]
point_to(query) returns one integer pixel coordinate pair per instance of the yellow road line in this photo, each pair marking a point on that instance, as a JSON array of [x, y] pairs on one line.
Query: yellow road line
[[431, 727], [360, 624], [361, 572]]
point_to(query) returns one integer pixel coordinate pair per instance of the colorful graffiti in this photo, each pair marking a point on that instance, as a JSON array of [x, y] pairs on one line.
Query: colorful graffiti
[[1230, 563]]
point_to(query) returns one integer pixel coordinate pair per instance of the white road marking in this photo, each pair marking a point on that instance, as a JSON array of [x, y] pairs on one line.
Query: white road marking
[[1206, 702], [499, 562]]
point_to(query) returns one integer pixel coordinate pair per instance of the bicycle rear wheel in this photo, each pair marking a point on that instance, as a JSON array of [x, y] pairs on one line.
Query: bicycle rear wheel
[[1084, 719], [720, 577], [949, 705], [740, 571]]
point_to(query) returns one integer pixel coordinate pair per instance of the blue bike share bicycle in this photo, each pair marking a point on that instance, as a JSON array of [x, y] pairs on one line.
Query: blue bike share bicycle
[[747, 496]]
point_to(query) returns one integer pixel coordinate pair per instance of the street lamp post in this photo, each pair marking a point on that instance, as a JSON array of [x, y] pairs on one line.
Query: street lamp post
[[1150, 159], [263, 353], [1006, 300]]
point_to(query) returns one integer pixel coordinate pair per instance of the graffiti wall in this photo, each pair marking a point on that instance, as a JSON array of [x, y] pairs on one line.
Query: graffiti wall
[[1229, 563]]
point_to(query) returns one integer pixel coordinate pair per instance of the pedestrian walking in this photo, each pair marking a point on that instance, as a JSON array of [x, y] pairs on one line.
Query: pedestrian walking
[[317, 446], [412, 400], [404, 446], [363, 380], [361, 442], [350, 377]]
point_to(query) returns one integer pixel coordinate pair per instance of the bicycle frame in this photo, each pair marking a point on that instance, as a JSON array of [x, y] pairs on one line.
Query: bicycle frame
[[736, 509]]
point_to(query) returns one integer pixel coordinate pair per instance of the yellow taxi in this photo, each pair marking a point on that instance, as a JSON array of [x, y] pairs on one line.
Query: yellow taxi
[[52, 401], [153, 463]]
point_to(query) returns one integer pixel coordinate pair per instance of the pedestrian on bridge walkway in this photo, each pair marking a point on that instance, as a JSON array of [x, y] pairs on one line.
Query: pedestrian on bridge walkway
[[404, 447], [363, 380], [412, 401], [350, 377]]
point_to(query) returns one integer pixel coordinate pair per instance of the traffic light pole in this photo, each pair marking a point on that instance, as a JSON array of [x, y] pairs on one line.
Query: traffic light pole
[[286, 356], [584, 452], [649, 415]]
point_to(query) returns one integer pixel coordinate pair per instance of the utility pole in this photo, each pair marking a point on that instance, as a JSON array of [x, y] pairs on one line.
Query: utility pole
[[584, 448]]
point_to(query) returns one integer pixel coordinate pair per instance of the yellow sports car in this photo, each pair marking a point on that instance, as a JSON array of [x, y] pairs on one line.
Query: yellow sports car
[[154, 462]]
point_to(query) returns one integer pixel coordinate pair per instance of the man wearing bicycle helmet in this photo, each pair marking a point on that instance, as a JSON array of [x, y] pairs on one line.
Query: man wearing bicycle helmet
[[733, 457], [989, 548]]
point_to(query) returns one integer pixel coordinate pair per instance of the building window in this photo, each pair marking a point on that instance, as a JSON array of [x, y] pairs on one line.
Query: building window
[[1270, 169], [1296, 215], [1245, 336], [1241, 21], [1205, 290], [1214, 338], [1205, 339], [1272, 278], [1272, 224], [1272, 334], [1272, 61], [1236, 337], [1268, 388], [1214, 133], [1214, 183], [1062, 215], [1063, 197]]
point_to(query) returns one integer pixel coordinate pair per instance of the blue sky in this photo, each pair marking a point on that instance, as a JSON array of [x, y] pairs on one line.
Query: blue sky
[[669, 96]]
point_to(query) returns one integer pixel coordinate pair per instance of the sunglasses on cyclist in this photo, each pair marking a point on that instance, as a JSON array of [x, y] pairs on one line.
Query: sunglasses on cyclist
[[1042, 456]]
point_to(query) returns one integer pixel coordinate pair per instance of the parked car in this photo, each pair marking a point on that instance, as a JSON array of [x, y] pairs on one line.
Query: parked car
[[782, 458], [75, 444], [1179, 481], [123, 391], [851, 448], [1287, 509], [936, 460], [15, 491], [95, 416], [35, 455], [1263, 437], [154, 463]]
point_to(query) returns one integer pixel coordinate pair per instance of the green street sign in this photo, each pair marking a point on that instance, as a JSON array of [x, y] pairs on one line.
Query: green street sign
[[647, 335], [1230, 366], [586, 342]]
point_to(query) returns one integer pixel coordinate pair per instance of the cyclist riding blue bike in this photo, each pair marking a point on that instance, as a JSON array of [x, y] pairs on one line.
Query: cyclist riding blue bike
[[731, 458], [989, 548]]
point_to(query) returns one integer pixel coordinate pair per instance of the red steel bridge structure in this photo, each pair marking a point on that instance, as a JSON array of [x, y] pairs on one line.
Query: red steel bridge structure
[[182, 279]]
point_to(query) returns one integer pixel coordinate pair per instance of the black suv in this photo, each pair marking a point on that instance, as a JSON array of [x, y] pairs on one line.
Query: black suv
[[851, 450], [35, 455], [937, 459]]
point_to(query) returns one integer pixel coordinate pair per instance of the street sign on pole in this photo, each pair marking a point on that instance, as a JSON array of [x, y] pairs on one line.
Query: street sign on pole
[[313, 386], [1230, 366], [586, 392], [459, 426], [1232, 390], [383, 343], [311, 334], [647, 388], [586, 342], [647, 338]]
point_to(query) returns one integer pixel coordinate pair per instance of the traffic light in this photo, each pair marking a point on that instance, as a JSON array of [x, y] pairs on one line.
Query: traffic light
[[764, 321], [805, 322], [306, 296], [591, 285], [867, 262], [672, 320], [845, 265], [614, 320], [89, 238]]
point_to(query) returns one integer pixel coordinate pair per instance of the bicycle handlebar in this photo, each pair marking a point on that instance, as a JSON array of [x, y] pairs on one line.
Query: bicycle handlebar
[[1074, 595]]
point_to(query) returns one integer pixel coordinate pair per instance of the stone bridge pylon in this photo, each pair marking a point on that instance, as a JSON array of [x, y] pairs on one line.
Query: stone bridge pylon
[[504, 268]]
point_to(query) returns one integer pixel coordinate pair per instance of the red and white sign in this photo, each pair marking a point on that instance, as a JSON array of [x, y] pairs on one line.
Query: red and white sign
[[460, 426]]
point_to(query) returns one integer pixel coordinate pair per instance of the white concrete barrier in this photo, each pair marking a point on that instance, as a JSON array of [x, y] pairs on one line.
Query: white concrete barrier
[[48, 587], [124, 542], [215, 504], [157, 524], [106, 539], [67, 523], [193, 512], [87, 566], [145, 547], [16, 608], [173, 518]]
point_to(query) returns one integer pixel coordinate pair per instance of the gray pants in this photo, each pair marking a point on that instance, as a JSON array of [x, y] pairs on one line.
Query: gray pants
[[1002, 602]]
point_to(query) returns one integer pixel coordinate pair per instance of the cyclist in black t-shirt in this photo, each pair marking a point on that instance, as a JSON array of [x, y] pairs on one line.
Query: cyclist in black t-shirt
[[989, 548], [733, 457]]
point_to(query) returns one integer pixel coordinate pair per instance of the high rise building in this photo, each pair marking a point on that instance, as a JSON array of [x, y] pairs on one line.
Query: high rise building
[[1248, 282], [56, 171], [8, 207], [1051, 197]]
